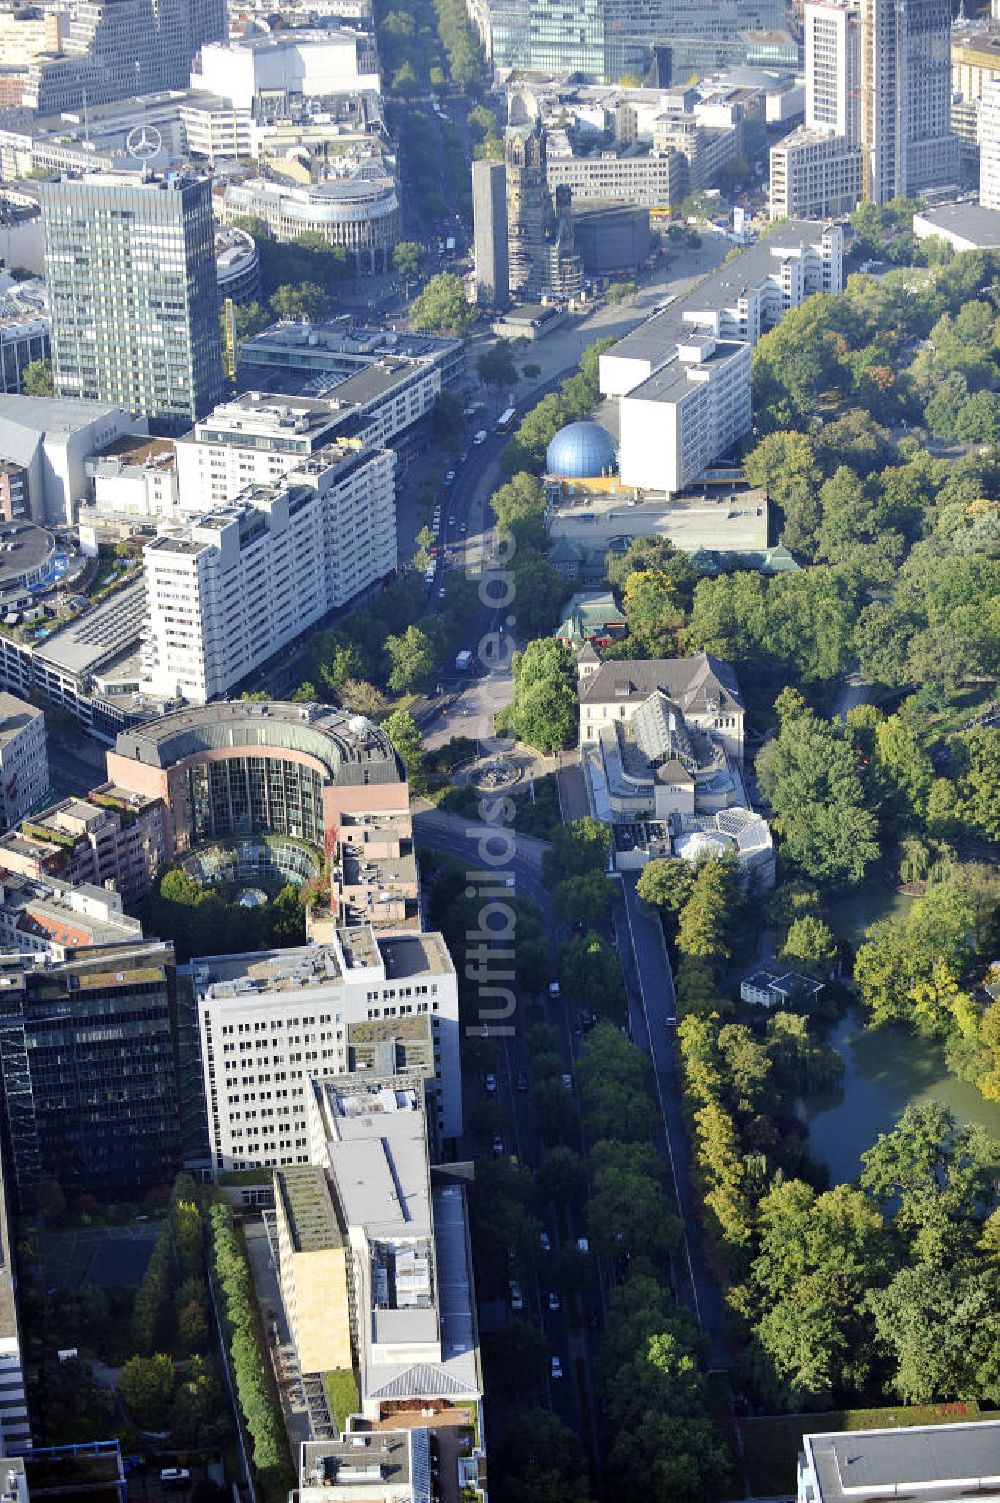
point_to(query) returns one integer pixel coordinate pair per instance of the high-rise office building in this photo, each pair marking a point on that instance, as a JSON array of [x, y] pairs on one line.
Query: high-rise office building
[[120, 48], [989, 146], [131, 275], [489, 214], [89, 1072], [833, 62], [905, 85]]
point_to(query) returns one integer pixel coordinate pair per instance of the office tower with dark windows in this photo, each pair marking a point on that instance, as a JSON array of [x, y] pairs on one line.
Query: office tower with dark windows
[[489, 214], [131, 276], [88, 1059]]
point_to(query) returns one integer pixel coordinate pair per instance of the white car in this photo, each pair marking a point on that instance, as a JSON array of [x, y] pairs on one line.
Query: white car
[[553, 1300], [449, 477], [546, 1242], [480, 437], [556, 1367]]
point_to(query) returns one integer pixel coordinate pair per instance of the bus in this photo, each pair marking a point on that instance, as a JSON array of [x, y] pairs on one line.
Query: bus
[[505, 421]]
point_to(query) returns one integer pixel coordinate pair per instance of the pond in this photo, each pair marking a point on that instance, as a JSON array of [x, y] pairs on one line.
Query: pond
[[884, 1070]]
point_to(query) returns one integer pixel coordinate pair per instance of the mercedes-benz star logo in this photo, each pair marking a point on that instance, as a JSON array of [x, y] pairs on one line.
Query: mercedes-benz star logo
[[143, 142]]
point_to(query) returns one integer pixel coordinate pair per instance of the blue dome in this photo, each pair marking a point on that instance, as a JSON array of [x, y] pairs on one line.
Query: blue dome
[[581, 451]]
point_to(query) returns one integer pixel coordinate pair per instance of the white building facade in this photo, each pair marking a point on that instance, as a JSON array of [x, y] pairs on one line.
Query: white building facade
[[268, 1023], [24, 764], [247, 578], [989, 146], [691, 410], [683, 377]]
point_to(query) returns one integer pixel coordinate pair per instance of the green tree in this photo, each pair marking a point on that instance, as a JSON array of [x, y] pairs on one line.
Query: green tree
[[442, 307], [408, 256], [939, 1323], [705, 919], [36, 379], [495, 365], [579, 849], [584, 899], [612, 1076], [552, 1110], [50, 1200], [655, 619], [544, 706], [591, 975], [412, 658], [402, 731], [809, 945], [979, 806], [818, 1257], [147, 1386], [809, 775], [784, 466], [561, 1178], [538, 1460], [306, 302], [666, 883], [931, 1176], [628, 1213]]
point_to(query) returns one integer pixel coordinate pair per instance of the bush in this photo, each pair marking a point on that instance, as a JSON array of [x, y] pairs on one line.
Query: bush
[[248, 1359]]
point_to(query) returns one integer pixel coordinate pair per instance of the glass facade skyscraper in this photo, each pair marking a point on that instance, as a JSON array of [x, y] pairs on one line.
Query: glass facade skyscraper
[[88, 1061], [131, 277]]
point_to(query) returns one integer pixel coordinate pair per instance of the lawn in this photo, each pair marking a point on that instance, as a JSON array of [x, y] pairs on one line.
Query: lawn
[[342, 1395], [771, 1445]]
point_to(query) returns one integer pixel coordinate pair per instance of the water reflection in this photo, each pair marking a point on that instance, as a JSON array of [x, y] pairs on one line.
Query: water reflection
[[884, 1070]]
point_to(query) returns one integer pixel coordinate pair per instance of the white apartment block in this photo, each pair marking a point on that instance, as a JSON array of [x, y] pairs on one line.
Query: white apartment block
[[737, 301], [814, 175], [683, 377], [247, 578], [989, 146], [269, 1023], [256, 439], [692, 409], [24, 764]]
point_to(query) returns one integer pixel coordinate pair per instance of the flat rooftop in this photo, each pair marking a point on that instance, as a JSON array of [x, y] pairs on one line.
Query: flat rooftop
[[940, 1461], [353, 954], [358, 1463], [254, 412], [136, 450], [974, 222], [351, 343], [15, 714], [351, 749], [305, 1198], [671, 381], [733, 523], [99, 634], [720, 289], [378, 1154]]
